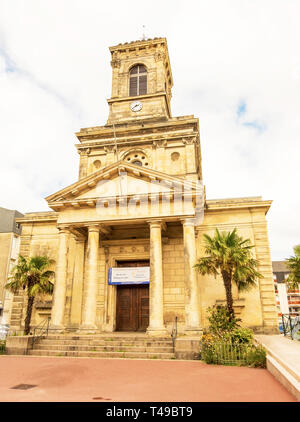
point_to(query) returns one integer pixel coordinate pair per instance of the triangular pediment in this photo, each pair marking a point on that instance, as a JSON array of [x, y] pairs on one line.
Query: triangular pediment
[[120, 179]]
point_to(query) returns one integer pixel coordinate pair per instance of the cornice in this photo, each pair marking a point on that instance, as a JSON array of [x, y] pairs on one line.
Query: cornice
[[62, 204], [136, 98], [138, 43], [151, 140], [184, 126], [37, 217], [237, 203]]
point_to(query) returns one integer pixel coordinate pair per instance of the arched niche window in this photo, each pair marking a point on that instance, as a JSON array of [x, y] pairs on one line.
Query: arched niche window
[[137, 80], [137, 158], [137, 162]]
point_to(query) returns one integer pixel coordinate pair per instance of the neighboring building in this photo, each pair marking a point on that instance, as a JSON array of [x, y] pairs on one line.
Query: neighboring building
[[10, 232], [288, 301], [126, 211]]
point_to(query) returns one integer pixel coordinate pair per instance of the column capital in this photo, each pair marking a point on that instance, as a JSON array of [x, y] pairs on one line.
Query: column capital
[[98, 227], [188, 221], [93, 228], [63, 228], [156, 223]]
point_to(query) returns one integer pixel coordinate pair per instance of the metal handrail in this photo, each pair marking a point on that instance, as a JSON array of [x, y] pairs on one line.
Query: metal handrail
[[174, 332], [290, 325], [44, 329]]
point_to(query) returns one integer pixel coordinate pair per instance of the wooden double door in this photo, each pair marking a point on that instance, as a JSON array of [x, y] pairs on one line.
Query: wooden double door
[[132, 303]]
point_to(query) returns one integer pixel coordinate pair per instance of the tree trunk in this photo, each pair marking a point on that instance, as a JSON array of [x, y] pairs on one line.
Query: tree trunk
[[229, 299], [28, 315]]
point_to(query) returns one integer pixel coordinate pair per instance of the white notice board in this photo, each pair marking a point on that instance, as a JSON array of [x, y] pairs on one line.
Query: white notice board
[[128, 275]]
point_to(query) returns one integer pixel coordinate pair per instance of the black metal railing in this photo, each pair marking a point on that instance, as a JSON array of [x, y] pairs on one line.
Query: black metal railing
[[174, 333], [290, 325], [40, 330]]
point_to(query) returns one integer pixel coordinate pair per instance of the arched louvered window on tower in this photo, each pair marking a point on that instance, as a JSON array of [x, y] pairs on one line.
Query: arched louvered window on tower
[[138, 80]]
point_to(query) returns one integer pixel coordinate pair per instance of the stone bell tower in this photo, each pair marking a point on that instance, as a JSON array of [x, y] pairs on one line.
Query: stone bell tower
[[140, 129], [141, 81]]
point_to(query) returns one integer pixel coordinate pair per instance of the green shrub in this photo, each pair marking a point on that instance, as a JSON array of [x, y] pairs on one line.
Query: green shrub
[[257, 357], [227, 343], [2, 347], [239, 335], [220, 352], [207, 354], [220, 321], [223, 352]]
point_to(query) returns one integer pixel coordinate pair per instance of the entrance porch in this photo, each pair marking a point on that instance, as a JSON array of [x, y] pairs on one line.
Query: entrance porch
[[83, 300]]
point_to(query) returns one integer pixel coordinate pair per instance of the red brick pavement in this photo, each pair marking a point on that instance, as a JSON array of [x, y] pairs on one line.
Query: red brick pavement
[[83, 379]]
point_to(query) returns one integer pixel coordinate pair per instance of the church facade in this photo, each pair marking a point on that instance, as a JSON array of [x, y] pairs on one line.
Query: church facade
[[139, 207]]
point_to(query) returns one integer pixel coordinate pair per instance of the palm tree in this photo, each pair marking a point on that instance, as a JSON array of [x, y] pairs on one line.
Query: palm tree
[[33, 275], [230, 255], [293, 264]]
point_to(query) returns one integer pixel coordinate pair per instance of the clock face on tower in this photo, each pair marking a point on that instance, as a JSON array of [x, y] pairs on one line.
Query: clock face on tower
[[136, 106]]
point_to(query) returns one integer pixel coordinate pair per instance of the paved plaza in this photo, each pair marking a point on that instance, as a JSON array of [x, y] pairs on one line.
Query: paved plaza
[[113, 380]]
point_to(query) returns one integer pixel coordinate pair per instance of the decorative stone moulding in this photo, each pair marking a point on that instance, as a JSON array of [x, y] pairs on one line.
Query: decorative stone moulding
[[97, 164], [175, 156], [160, 143], [93, 202]]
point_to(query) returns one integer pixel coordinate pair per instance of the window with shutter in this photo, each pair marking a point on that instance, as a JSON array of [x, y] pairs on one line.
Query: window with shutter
[[143, 85], [138, 80], [133, 86]]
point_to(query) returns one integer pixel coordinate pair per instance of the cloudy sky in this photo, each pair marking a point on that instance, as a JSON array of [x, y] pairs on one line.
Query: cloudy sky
[[235, 64]]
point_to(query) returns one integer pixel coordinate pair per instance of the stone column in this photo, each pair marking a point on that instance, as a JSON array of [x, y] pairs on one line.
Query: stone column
[[156, 311], [77, 288], [89, 307], [59, 294], [192, 306]]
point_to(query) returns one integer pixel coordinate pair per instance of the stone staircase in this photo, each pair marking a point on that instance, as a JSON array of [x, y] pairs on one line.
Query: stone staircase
[[114, 345]]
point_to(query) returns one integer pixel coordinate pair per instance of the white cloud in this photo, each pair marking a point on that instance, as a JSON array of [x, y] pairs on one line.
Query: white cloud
[[222, 53]]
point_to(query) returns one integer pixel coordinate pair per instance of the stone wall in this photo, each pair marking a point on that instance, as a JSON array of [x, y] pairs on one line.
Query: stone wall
[[37, 239], [173, 271], [256, 307], [5, 248]]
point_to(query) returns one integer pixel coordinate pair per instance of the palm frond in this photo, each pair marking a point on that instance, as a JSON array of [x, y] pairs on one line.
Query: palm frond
[[293, 265], [228, 253], [32, 274], [206, 265]]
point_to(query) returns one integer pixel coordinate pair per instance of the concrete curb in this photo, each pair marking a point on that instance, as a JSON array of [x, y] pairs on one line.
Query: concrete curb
[[284, 377], [282, 371]]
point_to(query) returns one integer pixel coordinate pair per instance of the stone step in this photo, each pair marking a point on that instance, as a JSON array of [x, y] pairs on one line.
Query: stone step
[[107, 337], [114, 343], [15, 322], [130, 355], [16, 311], [89, 348]]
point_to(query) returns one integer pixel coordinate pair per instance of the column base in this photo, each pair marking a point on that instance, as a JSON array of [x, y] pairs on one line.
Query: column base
[[56, 329], [85, 328], [157, 332], [193, 331]]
